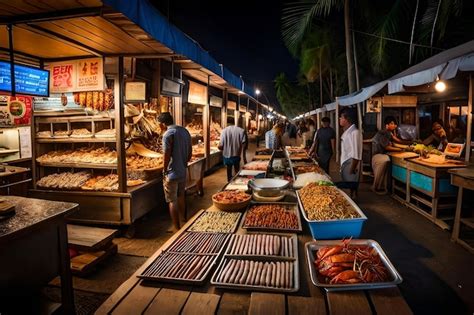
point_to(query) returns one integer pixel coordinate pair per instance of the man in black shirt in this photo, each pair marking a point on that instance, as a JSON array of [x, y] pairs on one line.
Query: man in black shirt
[[324, 144]]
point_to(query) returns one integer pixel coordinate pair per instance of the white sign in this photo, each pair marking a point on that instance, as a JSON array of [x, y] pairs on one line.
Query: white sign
[[135, 91], [25, 142], [215, 101]]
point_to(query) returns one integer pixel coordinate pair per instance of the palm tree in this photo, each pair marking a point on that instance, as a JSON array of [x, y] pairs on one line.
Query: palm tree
[[297, 20], [437, 15]]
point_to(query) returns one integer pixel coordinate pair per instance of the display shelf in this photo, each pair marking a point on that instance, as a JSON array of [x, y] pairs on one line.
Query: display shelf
[[109, 166], [48, 120], [76, 140]]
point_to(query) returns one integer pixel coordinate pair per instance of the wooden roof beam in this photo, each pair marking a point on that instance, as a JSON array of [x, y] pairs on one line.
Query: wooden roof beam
[[51, 16], [66, 40]]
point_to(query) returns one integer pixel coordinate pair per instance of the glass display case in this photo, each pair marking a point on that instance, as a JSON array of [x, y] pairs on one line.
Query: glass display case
[[193, 121], [215, 127]]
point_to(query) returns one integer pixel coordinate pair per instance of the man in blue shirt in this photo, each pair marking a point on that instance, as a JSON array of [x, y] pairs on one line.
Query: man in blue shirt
[[177, 152]]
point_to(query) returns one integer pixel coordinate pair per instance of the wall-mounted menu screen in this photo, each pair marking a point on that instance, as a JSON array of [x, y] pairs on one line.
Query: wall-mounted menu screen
[[28, 80]]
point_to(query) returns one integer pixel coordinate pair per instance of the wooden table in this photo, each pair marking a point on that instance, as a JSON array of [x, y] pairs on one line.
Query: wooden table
[[428, 184], [135, 296], [463, 179], [33, 251]]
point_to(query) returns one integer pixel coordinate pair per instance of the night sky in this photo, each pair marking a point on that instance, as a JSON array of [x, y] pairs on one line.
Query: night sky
[[243, 35]]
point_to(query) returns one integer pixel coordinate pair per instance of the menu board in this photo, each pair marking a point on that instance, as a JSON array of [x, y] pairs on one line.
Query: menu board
[[28, 80]]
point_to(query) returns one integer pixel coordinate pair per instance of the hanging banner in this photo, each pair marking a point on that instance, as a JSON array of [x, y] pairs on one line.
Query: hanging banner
[[77, 75], [231, 105], [197, 93]]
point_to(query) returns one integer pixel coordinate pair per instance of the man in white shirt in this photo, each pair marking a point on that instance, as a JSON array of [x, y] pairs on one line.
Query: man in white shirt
[[351, 153], [231, 144]]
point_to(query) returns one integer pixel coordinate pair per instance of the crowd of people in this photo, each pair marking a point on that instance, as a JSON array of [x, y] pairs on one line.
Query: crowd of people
[[320, 144]]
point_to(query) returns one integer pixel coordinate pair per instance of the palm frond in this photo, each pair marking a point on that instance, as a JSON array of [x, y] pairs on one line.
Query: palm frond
[[297, 19], [388, 28]]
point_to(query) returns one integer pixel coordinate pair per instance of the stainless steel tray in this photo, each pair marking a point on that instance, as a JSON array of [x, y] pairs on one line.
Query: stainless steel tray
[[159, 269], [199, 243], [227, 259], [351, 202], [314, 246], [271, 229], [234, 251], [236, 224]]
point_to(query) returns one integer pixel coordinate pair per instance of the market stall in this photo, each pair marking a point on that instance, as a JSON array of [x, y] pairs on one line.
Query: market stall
[[266, 253], [80, 154]]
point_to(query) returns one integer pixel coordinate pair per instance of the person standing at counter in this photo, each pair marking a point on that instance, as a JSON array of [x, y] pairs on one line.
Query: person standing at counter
[[231, 145], [438, 138], [351, 153], [381, 144], [177, 151], [324, 144]]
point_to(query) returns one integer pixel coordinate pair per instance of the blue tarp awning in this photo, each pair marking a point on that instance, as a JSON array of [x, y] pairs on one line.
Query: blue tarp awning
[[145, 15]]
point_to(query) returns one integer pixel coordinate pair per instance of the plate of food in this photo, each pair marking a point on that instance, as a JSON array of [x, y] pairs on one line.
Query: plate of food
[[454, 149]]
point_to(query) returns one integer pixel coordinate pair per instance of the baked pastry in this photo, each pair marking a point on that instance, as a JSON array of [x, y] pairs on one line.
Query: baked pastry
[[105, 133], [43, 134], [81, 133], [61, 133]]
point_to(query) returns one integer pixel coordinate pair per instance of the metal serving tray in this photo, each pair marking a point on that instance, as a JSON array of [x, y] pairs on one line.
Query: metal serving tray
[[164, 260], [233, 238], [226, 259], [336, 228], [193, 242], [314, 246], [236, 224], [265, 229], [294, 164]]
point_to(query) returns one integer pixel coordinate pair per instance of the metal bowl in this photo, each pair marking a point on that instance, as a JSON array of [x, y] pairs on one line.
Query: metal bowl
[[268, 187]]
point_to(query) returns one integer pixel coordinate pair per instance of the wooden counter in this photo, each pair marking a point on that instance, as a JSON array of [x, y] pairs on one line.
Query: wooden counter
[[429, 191], [463, 179], [33, 250], [399, 174], [136, 296]]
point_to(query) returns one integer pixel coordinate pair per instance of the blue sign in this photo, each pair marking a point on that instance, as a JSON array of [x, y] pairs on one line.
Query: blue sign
[[28, 80]]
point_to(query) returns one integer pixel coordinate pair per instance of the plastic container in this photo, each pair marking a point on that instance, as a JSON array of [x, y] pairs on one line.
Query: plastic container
[[335, 229]]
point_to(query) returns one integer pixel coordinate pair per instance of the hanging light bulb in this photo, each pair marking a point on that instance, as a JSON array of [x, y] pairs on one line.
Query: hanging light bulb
[[440, 86]]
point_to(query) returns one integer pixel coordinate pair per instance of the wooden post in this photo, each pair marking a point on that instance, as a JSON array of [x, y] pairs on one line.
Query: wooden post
[[359, 117], [469, 119], [336, 125], [207, 125], [119, 126]]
